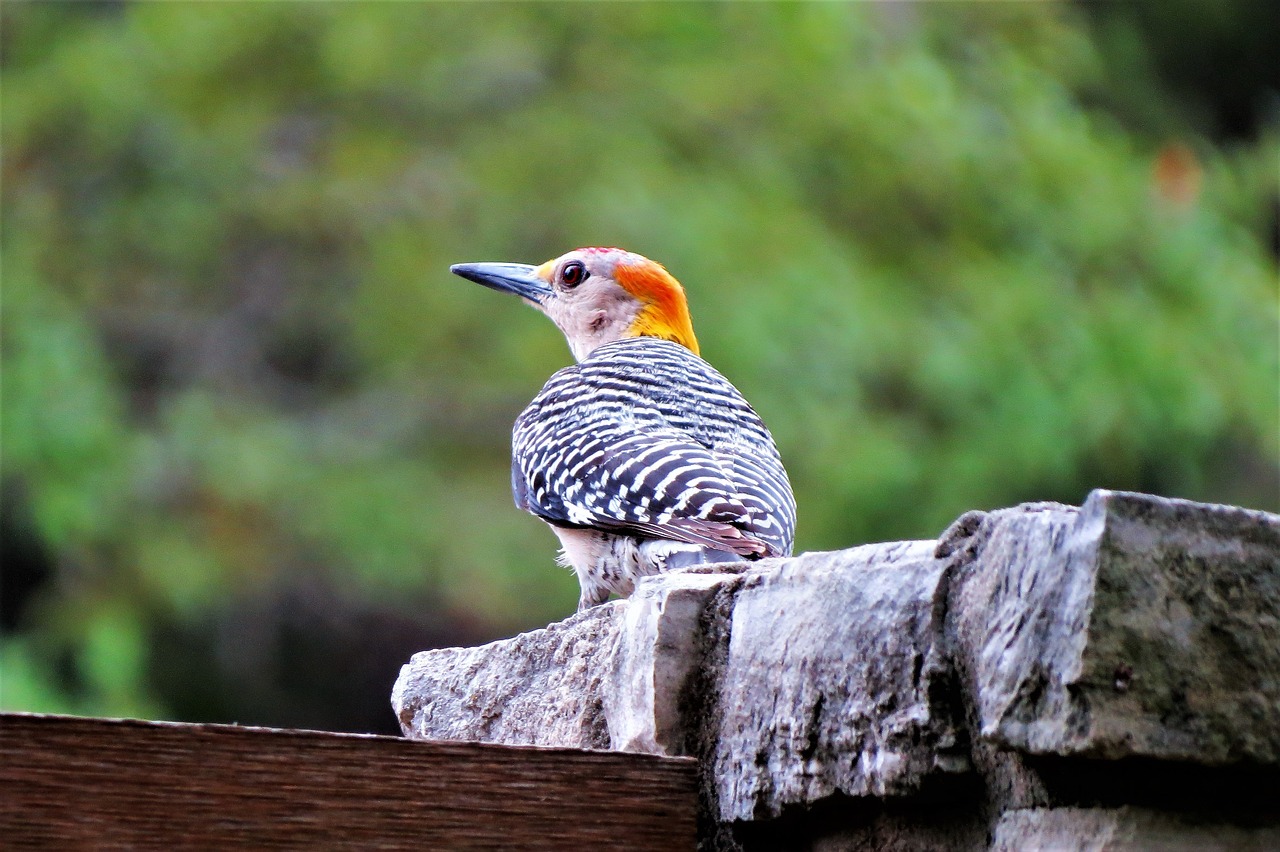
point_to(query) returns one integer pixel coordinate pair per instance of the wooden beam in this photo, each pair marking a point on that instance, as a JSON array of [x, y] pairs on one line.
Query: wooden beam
[[69, 782]]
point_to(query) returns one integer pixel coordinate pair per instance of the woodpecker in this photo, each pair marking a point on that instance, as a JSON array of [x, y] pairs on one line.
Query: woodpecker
[[641, 457]]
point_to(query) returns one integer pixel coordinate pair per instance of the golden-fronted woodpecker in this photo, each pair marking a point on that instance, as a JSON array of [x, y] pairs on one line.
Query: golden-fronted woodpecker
[[641, 457]]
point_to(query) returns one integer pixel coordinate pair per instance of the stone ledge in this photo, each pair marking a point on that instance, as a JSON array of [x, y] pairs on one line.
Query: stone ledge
[[1134, 627], [832, 681], [538, 688]]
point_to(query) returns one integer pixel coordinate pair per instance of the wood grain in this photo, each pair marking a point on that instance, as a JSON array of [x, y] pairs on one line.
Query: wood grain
[[69, 782]]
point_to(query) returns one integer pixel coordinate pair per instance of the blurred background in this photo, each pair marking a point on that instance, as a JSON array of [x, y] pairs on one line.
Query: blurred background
[[255, 436]]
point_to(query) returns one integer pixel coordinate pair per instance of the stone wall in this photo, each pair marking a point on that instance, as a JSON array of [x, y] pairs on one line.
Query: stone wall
[[1046, 676]]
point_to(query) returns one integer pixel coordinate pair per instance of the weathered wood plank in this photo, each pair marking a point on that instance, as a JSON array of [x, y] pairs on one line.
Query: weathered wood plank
[[69, 782]]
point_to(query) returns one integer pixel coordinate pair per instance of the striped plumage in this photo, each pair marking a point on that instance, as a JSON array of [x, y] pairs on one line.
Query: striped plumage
[[642, 457], [647, 440]]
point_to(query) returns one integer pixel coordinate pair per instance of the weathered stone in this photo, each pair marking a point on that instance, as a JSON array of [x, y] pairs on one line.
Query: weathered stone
[[973, 587], [1124, 830], [660, 648], [1122, 653], [1136, 625], [539, 688], [833, 681], [863, 708], [910, 824]]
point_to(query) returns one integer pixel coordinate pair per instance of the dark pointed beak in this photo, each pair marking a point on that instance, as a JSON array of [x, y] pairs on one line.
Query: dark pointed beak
[[517, 278]]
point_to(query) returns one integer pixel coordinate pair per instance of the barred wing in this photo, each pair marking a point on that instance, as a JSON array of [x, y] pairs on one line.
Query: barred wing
[[608, 445]]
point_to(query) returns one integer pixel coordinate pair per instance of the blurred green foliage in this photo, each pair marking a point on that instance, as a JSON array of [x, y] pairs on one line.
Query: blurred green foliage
[[255, 436]]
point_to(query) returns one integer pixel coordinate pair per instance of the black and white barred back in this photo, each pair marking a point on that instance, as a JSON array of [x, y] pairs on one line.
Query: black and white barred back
[[645, 439]]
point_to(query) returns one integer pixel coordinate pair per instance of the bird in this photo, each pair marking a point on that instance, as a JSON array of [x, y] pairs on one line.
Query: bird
[[641, 456]]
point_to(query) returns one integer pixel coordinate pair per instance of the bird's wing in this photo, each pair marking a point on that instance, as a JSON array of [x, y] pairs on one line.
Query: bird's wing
[[765, 491], [641, 478], [646, 438]]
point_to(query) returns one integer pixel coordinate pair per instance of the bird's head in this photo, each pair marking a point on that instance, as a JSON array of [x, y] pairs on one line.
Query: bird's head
[[596, 296]]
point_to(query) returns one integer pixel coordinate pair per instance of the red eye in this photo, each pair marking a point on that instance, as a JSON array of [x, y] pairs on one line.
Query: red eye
[[573, 274]]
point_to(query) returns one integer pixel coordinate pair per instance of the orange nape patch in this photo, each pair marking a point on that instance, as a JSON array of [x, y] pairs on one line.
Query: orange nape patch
[[665, 314]]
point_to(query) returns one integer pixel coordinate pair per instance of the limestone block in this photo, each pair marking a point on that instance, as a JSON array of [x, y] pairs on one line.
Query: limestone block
[[834, 681], [539, 688], [1124, 829], [844, 684], [1136, 625], [662, 648], [795, 679]]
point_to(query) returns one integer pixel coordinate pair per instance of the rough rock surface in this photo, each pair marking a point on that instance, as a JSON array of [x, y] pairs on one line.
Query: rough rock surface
[[1124, 829], [833, 681], [862, 710], [1133, 626], [538, 688], [1033, 663], [662, 656]]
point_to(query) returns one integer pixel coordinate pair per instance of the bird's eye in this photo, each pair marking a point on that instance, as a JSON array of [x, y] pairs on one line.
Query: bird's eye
[[573, 274]]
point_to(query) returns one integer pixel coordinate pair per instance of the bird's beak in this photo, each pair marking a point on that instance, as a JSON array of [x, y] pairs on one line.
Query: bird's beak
[[518, 278]]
